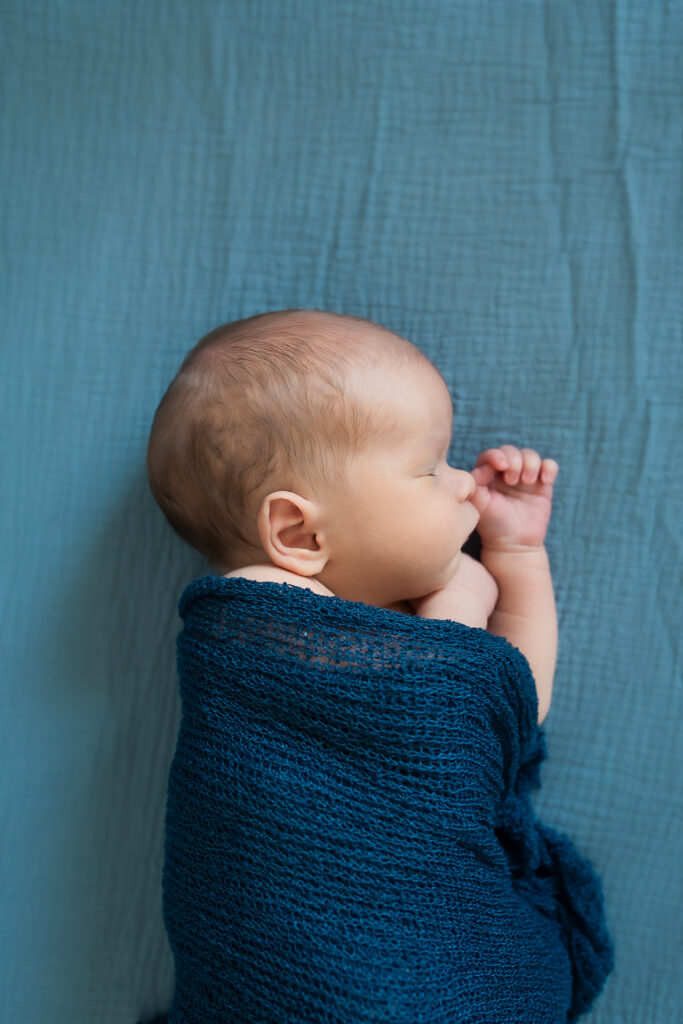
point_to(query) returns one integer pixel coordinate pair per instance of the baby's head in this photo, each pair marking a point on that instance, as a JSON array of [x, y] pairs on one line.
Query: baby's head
[[306, 440]]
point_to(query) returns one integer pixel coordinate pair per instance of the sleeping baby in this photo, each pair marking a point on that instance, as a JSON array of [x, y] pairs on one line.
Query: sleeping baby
[[349, 831]]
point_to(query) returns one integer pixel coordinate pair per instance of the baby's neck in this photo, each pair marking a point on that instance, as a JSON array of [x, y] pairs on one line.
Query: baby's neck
[[271, 574]]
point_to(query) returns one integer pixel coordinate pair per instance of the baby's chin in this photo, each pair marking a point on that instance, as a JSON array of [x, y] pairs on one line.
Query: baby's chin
[[453, 564], [449, 570], [438, 579]]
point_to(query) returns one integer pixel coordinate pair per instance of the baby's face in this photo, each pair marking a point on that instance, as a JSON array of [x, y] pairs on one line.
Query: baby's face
[[399, 529]]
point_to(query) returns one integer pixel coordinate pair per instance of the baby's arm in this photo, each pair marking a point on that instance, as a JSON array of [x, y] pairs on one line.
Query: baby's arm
[[469, 597], [526, 614], [514, 498]]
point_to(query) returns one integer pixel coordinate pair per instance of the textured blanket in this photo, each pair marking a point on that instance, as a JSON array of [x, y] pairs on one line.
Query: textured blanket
[[349, 832]]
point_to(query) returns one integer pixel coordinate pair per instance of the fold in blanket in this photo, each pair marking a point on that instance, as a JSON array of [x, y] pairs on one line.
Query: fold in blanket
[[349, 832]]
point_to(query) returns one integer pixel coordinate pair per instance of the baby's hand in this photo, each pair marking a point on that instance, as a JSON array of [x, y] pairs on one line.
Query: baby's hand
[[513, 496]]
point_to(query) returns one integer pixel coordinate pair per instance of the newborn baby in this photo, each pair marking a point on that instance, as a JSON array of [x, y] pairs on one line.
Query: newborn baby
[[309, 448], [349, 835]]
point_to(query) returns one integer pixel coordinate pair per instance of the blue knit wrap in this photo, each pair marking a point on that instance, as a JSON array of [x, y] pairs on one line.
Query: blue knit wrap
[[349, 833]]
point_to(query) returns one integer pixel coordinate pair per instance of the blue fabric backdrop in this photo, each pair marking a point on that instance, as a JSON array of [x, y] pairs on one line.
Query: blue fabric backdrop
[[502, 184]]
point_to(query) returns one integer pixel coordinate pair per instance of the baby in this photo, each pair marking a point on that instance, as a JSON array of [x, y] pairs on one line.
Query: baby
[[349, 834], [310, 448]]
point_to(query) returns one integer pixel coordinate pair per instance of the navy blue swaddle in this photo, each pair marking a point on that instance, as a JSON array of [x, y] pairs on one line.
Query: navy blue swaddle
[[349, 832]]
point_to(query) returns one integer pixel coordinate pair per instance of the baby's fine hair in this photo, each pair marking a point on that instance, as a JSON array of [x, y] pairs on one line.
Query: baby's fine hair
[[259, 405]]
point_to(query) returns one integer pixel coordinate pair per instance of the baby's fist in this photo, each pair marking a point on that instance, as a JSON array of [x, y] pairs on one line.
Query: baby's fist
[[513, 496]]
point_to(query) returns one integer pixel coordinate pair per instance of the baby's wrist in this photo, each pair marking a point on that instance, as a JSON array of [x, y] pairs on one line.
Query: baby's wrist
[[514, 554], [506, 547], [472, 607], [512, 566]]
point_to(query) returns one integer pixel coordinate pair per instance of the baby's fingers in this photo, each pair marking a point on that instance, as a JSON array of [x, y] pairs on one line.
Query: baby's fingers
[[549, 470], [506, 459], [487, 465], [530, 466], [517, 466], [493, 457]]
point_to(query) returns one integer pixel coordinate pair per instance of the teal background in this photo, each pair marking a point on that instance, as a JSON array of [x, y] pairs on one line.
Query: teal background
[[499, 182]]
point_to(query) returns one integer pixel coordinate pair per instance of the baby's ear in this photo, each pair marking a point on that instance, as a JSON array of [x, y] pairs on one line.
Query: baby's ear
[[287, 527]]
